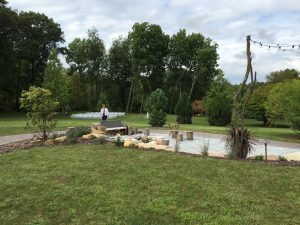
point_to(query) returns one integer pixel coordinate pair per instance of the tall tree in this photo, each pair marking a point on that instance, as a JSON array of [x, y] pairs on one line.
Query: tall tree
[[149, 46], [282, 75], [194, 59], [120, 70], [87, 57], [56, 80], [8, 27]]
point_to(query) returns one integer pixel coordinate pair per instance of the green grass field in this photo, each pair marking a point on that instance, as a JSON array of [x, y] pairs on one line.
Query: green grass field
[[14, 123], [99, 184]]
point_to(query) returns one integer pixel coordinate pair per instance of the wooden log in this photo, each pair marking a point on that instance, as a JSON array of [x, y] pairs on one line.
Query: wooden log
[[147, 132], [174, 133], [179, 137], [189, 135]]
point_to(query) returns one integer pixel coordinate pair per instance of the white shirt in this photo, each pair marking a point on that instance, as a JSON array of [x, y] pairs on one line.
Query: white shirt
[[104, 111]]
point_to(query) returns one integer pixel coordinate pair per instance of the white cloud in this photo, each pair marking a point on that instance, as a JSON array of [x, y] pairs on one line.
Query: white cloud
[[226, 22]]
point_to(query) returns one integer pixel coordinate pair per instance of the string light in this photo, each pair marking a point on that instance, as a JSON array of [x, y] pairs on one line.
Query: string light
[[280, 47]]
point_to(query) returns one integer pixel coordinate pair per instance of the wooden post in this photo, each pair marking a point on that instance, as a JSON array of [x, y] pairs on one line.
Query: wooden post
[[174, 133], [180, 137], [266, 151], [189, 135], [147, 131]]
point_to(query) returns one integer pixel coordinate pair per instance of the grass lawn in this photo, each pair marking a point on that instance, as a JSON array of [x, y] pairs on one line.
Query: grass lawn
[[14, 123], [109, 185]]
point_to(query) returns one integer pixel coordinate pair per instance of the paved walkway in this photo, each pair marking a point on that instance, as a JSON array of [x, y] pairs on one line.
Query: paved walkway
[[18, 137], [22, 137]]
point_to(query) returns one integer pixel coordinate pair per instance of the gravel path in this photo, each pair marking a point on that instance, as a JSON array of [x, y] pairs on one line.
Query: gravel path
[[19, 137]]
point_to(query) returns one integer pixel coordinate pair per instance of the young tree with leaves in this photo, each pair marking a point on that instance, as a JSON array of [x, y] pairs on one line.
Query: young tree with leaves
[[156, 106], [41, 107]]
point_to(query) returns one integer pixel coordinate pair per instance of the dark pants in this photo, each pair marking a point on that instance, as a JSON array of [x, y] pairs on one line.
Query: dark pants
[[104, 117]]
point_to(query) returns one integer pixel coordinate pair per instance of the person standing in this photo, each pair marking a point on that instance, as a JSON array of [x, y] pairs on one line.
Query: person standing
[[104, 112]]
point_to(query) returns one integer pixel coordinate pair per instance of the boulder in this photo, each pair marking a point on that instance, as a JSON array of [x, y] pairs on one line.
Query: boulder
[[61, 139], [98, 135], [87, 137], [129, 143], [49, 142]]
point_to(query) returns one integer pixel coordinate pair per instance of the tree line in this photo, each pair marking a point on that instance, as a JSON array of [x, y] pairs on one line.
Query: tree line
[[123, 76]]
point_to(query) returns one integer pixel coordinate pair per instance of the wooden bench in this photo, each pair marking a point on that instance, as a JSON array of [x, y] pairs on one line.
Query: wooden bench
[[115, 126], [174, 126]]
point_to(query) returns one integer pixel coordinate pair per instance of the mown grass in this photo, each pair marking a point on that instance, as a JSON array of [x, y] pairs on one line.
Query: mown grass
[[110, 185], [14, 123]]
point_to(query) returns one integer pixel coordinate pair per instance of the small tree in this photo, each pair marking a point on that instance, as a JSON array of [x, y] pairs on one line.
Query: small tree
[[219, 103], [184, 110], [198, 107], [41, 107], [284, 103], [156, 105]]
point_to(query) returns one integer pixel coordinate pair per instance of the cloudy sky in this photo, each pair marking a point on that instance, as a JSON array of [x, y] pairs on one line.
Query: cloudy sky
[[226, 22]]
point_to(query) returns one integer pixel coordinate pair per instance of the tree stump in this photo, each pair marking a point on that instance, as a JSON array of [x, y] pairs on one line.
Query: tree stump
[[189, 135], [135, 131], [147, 132], [165, 142], [174, 133], [130, 131], [179, 137]]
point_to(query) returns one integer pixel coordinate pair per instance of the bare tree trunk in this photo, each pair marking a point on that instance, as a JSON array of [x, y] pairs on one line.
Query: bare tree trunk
[[192, 88], [128, 102], [235, 113], [142, 105], [18, 84]]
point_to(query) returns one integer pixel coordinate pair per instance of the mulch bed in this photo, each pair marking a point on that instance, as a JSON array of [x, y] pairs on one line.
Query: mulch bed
[[28, 144]]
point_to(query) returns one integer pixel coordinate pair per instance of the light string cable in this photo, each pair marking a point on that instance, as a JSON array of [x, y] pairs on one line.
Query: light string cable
[[280, 47]]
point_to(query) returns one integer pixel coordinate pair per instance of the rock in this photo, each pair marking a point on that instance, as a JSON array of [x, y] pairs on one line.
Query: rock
[[49, 142], [87, 137], [61, 139], [129, 143], [98, 135], [145, 139]]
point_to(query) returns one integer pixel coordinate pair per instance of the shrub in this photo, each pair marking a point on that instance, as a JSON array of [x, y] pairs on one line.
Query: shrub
[[198, 107], [101, 140], [204, 149], [259, 157], [156, 104], [40, 106], [282, 158], [239, 142], [184, 110], [119, 141], [78, 132], [219, 103]]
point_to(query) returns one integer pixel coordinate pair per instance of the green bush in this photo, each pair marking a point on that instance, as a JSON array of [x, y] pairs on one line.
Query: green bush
[[157, 118], [78, 132], [282, 158], [219, 103], [119, 141], [184, 110], [259, 157], [40, 106], [156, 104]]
